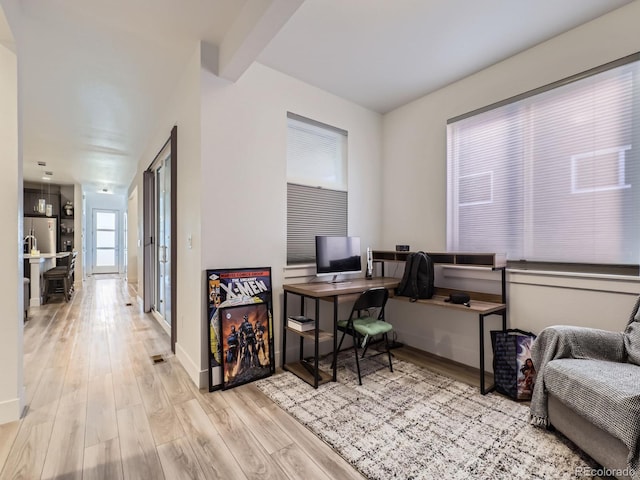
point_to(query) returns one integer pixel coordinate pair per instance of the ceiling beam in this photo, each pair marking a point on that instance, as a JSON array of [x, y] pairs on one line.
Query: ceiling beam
[[257, 24]]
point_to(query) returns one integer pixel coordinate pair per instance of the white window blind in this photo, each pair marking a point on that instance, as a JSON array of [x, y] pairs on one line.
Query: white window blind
[[316, 185], [551, 176]]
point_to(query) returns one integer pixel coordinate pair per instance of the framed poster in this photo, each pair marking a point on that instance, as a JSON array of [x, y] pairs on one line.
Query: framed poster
[[247, 344], [231, 287]]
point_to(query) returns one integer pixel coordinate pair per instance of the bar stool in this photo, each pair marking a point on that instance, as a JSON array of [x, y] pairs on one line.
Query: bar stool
[[55, 275], [25, 284]]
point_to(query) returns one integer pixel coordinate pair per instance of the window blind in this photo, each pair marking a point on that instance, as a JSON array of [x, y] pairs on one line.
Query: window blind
[[553, 176], [316, 185], [312, 211]]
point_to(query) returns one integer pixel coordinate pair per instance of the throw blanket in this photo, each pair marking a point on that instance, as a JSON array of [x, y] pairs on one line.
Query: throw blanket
[[583, 343], [570, 342]]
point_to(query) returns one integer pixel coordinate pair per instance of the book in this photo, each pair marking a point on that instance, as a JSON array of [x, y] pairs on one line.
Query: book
[[301, 323], [305, 327]]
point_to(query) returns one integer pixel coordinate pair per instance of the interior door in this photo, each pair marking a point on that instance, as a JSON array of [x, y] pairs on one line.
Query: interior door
[[163, 235], [105, 241], [159, 232]]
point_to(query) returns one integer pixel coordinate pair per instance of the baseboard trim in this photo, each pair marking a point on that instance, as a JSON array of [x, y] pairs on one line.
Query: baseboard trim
[[10, 410], [198, 376]]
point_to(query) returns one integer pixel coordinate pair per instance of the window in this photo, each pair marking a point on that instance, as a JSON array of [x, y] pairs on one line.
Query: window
[[316, 185], [552, 175]]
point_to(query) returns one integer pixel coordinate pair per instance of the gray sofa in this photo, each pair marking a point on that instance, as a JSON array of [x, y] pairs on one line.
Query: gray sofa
[[588, 388]]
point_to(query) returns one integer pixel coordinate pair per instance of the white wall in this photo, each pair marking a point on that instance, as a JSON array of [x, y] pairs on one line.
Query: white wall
[[414, 192], [101, 201], [244, 128], [232, 182], [183, 110], [11, 288], [133, 236]]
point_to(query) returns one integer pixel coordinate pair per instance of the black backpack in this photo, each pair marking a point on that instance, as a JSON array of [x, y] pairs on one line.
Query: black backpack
[[417, 281]]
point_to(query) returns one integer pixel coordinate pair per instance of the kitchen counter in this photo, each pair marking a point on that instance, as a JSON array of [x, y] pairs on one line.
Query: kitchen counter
[[38, 264], [28, 256]]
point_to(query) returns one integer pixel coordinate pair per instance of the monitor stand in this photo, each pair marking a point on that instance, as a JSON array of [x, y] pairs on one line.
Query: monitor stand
[[336, 281]]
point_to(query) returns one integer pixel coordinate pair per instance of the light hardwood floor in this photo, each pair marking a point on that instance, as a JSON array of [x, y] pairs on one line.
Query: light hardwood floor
[[99, 408]]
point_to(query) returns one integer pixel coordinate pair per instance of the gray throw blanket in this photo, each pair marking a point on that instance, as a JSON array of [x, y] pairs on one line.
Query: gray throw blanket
[[567, 342]]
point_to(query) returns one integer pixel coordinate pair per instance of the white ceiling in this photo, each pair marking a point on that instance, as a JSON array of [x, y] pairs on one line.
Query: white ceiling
[[94, 73]]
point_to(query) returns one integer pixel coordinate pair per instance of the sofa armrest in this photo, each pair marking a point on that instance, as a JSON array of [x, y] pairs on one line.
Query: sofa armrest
[[564, 341], [569, 342]]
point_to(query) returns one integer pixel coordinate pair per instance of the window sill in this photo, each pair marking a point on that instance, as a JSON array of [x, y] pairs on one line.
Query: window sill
[[575, 280], [302, 270], [601, 282]]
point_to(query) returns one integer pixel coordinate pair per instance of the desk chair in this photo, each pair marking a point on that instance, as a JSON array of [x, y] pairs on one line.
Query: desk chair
[[363, 324], [62, 273]]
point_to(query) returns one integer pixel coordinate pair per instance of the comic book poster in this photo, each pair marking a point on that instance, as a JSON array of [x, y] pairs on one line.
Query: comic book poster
[[227, 288], [246, 344], [526, 370]]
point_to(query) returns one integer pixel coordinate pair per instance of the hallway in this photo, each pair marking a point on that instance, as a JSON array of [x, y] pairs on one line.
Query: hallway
[[100, 408]]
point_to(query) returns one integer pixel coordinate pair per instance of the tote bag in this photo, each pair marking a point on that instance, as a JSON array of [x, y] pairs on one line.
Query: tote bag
[[513, 368]]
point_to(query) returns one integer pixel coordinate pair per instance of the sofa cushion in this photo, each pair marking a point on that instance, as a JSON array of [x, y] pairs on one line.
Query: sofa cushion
[[632, 342], [591, 387]]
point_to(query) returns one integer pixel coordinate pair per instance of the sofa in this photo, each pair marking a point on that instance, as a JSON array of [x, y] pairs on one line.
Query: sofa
[[588, 388]]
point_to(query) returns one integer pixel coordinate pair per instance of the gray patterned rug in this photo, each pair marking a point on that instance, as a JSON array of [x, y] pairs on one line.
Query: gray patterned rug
[[417, 424]]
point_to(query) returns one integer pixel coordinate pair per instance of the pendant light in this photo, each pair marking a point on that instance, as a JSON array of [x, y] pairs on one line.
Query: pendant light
[[41, 201], [48, 206]]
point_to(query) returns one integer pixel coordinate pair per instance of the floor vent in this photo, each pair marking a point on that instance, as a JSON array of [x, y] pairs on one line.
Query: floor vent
[[157, 358]]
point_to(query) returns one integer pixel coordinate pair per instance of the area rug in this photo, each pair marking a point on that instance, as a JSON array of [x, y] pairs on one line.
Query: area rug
[[416, 424]]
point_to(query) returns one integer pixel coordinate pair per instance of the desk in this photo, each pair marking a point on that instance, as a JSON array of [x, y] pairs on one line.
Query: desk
[[483, 309], [333, 292], [484, 304]]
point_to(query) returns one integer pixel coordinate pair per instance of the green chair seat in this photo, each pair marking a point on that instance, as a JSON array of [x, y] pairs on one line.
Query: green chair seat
[[356, 321], [376, 327]]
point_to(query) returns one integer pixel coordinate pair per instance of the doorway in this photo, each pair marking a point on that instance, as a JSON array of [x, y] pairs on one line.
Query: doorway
[[159, 209], [105, 241]]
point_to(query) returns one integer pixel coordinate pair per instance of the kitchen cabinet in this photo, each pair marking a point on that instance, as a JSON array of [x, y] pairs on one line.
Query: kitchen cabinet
[[57, 196]]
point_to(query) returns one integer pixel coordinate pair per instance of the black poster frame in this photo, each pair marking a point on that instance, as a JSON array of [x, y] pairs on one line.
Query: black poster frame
[[228, 287]]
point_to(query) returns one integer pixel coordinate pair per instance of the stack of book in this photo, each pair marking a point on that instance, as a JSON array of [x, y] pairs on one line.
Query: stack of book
[[301, 323]]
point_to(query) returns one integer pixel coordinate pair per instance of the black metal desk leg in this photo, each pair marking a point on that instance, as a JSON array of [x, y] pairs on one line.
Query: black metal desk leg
[[335, 337], [303, 306], [283, 355], [481, 335], [317, 346]]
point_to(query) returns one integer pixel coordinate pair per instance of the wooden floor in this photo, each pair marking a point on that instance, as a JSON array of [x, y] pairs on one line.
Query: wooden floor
[[99, 408]]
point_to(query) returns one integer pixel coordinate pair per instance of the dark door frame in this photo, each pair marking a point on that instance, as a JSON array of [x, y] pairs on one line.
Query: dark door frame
[[149, 239]]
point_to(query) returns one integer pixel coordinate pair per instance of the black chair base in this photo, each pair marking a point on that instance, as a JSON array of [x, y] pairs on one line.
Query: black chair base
[[374, 298], [59, 280]]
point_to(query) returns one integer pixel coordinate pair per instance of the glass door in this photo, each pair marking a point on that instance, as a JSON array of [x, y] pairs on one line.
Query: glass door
[[159, 230], [163, 234], [105, 234]]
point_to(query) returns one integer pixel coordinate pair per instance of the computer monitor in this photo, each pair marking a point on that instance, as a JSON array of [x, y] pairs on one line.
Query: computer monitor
[[337, 255]]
